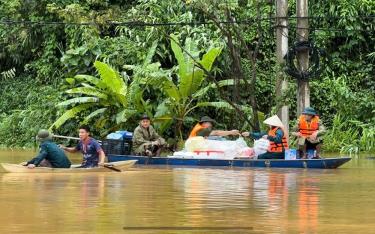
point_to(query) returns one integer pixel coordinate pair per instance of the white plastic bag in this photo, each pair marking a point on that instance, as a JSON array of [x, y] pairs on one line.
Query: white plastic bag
[[182, 154], [231, 149], [195, 143], [247, 152], [261, 146], [241, 143]]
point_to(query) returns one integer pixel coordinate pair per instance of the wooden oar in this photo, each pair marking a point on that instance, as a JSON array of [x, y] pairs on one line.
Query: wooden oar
[[70, 138], [111, 167], [66, 137]]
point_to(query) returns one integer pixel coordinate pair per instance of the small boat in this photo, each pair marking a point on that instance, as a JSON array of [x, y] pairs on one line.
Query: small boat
[[324, 163], [113, 166]]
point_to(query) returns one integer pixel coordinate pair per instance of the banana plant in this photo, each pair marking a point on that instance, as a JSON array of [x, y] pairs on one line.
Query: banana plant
[[184, 94], [108, 100]]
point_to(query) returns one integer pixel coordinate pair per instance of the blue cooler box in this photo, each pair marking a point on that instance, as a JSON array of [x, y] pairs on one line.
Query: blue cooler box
[[119, 143]]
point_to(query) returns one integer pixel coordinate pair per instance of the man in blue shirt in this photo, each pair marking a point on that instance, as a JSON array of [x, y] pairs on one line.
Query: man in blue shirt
[[93, 154], [50, 155]]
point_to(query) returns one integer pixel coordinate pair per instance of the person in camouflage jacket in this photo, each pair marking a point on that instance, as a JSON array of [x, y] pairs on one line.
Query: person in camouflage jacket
[[146, 140]]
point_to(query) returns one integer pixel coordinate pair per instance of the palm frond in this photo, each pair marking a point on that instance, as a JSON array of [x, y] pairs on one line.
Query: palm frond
[[78, 100], [110, 77], [124, 115], [69, 114], [209, 58], [91, 79], [94, 114], [90, 91]]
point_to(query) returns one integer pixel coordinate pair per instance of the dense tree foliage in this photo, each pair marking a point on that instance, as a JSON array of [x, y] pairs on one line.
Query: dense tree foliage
[[60, 55]]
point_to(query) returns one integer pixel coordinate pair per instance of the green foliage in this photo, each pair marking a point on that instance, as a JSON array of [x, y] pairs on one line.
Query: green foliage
[[24, 111], [109, 100], [349, 136], [184, 96], [336, 96]]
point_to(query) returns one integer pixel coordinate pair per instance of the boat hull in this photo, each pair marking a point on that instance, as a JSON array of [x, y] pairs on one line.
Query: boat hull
[[327, 163], [17, 168]]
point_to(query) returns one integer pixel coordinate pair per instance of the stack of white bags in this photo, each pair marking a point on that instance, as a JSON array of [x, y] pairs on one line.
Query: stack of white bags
[[201, 148]]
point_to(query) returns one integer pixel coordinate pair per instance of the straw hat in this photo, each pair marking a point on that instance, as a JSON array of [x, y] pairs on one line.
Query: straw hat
[[274, 121]]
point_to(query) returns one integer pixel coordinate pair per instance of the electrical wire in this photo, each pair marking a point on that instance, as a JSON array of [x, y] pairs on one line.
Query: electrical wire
[[158, 24]]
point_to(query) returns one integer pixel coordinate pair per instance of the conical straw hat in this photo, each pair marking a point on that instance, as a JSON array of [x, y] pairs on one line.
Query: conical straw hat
[[274, 121]]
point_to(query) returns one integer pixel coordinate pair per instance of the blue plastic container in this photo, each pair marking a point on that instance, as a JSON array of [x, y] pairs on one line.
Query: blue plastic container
[[114, 136], [125, 134], [290, 154]]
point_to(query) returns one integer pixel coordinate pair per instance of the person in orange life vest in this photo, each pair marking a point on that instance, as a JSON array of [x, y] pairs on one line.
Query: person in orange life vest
[[309, 131], [276, 136], [204, 129]]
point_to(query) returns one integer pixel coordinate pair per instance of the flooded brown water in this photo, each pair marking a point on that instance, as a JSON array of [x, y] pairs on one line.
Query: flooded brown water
[[189, 200]]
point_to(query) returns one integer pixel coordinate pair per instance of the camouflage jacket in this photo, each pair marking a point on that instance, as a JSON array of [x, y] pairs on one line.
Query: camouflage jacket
[[142, 135]]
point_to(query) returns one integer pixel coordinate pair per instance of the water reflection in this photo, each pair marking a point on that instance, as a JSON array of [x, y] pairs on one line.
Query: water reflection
[[269, 200], [269, 194], [308, 204]]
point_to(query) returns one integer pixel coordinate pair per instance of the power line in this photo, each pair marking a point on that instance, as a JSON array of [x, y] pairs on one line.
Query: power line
[[156, 24], [312, 28]]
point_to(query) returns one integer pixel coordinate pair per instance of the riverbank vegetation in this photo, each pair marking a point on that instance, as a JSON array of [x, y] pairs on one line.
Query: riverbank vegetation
[[64, 63]]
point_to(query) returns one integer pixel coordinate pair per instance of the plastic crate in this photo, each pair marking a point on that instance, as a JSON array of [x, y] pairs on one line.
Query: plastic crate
[[118, 147]]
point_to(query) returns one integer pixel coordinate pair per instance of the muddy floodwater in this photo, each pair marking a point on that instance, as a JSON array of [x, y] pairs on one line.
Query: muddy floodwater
[[190, 200]]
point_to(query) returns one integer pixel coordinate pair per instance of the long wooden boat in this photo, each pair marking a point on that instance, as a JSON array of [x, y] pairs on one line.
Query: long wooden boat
[[326, 163], [113, 166]]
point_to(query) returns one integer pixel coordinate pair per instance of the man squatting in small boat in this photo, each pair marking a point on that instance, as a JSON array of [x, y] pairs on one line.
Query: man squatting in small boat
[[50, 154], [146, 141], [309, 131], [93, 154]]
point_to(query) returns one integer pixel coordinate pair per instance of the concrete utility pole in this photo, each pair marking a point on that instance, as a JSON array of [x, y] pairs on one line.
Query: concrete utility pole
[[281, 50], [303, 92]]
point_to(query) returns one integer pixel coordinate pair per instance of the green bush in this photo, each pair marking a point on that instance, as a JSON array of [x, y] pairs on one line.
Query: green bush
[[25, 110]]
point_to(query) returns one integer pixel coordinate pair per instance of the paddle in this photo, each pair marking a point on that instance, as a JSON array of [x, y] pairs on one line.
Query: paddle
[[70, 138], [66, 137], [111, 167]]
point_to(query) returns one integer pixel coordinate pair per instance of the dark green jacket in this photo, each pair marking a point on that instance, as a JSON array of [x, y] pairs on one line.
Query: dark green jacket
[[53, 153]]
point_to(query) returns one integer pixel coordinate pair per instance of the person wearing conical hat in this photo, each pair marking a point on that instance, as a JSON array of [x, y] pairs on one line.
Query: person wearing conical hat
[[50, 154], [204, 128], [309, 131], [276, 136]]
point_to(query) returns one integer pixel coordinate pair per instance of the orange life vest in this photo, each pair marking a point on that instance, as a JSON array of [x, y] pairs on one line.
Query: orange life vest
[[307, 128], [277, 147], [195, 130]]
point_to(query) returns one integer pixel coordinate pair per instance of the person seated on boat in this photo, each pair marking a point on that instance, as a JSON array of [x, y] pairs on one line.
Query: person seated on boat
[[146, 141], [50, 154], [204, 128], [93, 154], [309, 131], [277, 137]]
